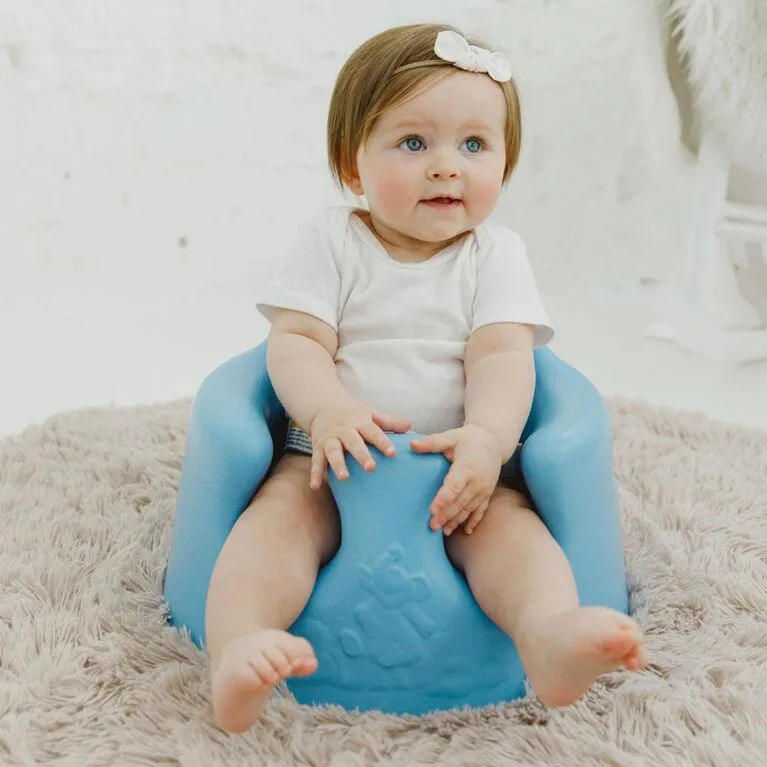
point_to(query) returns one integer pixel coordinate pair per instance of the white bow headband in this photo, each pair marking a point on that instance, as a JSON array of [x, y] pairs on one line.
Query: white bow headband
[[450, 46]]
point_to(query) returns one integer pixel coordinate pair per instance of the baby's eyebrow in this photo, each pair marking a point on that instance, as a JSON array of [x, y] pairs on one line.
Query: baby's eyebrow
[[475, 125], [414, 123]]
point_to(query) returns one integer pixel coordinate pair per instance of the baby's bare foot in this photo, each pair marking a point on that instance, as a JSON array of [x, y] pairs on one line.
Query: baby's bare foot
[[567, 652], [250, 667]]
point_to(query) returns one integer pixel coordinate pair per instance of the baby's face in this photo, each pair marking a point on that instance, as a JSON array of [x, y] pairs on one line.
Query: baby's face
[[432, 167]]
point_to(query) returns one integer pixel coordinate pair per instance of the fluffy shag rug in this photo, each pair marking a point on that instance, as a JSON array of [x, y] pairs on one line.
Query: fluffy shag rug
[[92, 675]]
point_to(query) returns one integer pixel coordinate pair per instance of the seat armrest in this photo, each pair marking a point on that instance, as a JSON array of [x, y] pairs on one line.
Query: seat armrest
[[567, 460], [228, 452]]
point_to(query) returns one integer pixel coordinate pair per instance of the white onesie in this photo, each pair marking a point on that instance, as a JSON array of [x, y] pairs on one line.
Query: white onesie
[[403, 327]]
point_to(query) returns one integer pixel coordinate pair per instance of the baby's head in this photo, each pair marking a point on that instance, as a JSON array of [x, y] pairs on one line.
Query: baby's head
[[406, 126]]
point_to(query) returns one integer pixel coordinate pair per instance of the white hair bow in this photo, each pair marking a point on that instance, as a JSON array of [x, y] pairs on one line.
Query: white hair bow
[[452, 47]]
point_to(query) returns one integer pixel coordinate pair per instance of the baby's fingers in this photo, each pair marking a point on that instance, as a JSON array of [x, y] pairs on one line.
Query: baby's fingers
[[456, 521], [452, 487], [335, 457], [460, 509], [475, 518], [373, 435], [358, 450], [317, 472], [443, 442], [390, 422]]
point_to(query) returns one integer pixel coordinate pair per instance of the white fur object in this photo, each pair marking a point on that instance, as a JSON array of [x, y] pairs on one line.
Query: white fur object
[[92, 674], [725, 43]]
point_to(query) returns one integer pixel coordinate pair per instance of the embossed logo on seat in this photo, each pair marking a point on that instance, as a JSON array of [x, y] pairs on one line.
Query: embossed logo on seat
[[393, 609]]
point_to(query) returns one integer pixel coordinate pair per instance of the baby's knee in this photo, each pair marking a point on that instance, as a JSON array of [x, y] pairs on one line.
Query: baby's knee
[[289, 481], [508, 498], [505, 506], [287, 492]]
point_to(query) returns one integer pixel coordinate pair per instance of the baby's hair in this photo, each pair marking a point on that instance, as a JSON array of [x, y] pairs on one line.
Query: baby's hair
[[385, 71]]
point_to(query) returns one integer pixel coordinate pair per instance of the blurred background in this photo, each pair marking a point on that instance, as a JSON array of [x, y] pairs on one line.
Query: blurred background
[[155, 156]]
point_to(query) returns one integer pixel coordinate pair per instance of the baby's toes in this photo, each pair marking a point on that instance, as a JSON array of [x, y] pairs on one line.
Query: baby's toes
[[296, 648], [305, 666], [304, 661], [279, 661], [264, 669], [636, 659], [619, 645], [300, 655]]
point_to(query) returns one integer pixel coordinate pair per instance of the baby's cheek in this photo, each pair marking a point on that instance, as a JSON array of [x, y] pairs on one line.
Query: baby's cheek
[[394, 190], [486, 194]]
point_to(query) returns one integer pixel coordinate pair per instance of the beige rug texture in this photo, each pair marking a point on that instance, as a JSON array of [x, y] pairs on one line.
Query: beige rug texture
[[92, 675]]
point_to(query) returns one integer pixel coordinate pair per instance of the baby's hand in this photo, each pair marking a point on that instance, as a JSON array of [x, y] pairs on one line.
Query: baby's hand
[[465, 493], [348, 425]]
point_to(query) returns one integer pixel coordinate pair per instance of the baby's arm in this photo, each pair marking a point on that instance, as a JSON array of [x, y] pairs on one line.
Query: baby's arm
[[500, 379], [300, 354], [300, 360], [500, 382]]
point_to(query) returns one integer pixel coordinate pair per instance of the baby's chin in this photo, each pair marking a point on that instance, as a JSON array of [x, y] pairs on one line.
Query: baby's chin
[[436, 235]]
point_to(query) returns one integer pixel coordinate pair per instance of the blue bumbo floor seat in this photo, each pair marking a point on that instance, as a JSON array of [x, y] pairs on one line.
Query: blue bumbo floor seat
[[394, 625]]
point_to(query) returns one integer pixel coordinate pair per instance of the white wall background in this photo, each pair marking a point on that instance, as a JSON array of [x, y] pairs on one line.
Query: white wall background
[[153, 155], [130, 126]]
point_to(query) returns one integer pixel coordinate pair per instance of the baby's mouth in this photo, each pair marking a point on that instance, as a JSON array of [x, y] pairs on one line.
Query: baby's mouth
[[444, 201]]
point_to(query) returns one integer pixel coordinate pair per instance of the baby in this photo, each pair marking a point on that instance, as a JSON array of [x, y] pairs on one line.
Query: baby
[[411, 313]]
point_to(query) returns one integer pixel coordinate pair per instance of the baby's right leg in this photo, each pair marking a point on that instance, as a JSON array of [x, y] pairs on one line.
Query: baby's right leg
[[262, 580]]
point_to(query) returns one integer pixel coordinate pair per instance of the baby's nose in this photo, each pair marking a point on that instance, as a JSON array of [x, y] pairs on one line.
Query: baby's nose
[[443, 171], [443, 166]]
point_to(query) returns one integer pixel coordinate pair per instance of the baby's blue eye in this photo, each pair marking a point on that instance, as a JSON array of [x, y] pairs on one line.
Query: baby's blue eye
[[473, 145], [413, 144]]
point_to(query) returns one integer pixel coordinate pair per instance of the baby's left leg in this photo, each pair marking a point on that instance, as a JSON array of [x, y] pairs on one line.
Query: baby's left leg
[[521, 578]]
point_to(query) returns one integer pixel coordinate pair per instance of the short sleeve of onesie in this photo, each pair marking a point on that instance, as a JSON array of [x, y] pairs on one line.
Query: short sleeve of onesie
[[506, 289], [307, 279]]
